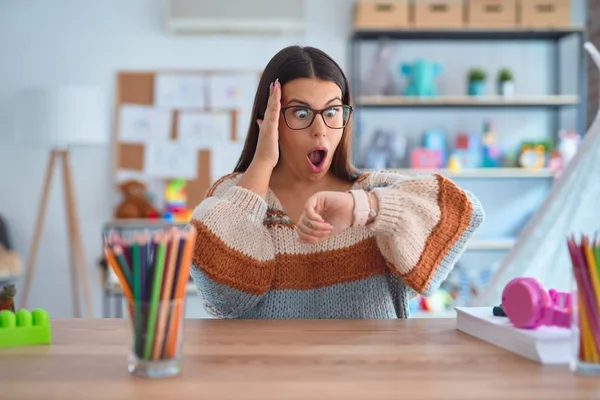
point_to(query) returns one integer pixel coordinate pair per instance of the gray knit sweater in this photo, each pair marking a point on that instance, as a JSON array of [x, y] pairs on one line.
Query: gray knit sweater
[[248, 264]]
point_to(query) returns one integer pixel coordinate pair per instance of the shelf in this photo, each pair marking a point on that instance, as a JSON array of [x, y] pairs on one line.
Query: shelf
[[469, 34], [482, 173], [491, 244], [468, 101]]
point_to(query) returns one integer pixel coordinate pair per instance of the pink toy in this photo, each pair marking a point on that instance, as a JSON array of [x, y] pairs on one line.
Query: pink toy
[[528, 305], [421, 158]]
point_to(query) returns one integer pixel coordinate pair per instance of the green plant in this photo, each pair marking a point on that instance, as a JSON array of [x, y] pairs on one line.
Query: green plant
[[476, 74], [505, 75]]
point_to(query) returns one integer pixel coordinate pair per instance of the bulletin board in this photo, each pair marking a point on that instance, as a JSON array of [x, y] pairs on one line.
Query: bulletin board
[[137, 88]]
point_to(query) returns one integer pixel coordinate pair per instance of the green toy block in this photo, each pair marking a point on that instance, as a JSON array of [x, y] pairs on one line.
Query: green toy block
[[24, 328]]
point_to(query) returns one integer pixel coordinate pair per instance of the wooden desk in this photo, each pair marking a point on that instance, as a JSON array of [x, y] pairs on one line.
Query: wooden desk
[[242, 359]]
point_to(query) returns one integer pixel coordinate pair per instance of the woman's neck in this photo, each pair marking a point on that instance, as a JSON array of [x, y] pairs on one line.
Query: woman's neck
[[285, 180]]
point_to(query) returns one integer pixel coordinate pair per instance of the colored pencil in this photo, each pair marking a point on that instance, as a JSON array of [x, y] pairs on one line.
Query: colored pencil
[[118, 270], [585, 260], [153, 271], [182, 279], [165, 297]]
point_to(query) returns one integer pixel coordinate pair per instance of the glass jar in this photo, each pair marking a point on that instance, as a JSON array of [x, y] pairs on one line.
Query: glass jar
[[585, 357]]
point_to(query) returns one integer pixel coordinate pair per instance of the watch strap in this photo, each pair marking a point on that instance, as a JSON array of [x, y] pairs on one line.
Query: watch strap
[[361, 208]]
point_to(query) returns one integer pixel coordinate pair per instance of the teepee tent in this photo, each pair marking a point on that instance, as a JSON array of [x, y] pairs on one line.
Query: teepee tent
[[571, 208]]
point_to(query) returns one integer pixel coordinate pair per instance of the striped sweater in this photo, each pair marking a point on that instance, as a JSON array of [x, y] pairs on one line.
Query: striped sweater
[[248, 264]]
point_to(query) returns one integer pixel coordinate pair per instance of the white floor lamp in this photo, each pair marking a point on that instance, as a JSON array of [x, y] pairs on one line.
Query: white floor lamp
[[59, 118]]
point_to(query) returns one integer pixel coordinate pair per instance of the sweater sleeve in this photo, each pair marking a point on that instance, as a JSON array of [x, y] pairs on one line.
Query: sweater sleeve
[[422, 227], [233, 262]]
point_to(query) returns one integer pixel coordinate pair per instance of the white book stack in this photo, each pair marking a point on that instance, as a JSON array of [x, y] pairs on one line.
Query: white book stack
[[545, 345]]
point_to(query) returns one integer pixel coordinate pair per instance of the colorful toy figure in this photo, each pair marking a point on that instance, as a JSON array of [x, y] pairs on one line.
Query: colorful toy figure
[[467, 147], [176, 201], [421, 158], [436, 141], [491, 153], [7, 296], [568, 145]]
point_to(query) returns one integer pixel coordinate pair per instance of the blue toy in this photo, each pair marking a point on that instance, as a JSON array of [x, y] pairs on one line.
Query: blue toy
[[436, 141], [421, 78]]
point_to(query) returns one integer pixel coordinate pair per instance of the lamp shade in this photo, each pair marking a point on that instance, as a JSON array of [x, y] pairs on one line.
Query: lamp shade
[[60, 116]]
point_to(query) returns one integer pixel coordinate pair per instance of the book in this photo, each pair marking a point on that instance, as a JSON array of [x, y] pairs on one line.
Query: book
[[544, 345]]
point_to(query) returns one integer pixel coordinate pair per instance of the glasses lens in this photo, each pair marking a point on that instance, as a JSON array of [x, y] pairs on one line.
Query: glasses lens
[[298, 117], [336, 116]]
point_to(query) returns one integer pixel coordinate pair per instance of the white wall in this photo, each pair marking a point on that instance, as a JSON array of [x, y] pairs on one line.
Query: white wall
[[87, 42]]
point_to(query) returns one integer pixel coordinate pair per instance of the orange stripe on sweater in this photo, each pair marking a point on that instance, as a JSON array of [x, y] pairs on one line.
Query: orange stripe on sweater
[[287, 271], [455, 214], [229, 267], [315, 270]]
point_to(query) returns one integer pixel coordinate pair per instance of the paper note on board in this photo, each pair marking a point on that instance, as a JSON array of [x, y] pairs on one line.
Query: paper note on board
[[224, 158], [181, 90], [170, 159], [203, 129], [142, 124], [242, 124], [232, 90]]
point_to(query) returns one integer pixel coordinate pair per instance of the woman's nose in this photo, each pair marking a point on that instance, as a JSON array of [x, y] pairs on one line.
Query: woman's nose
[[318, 127]]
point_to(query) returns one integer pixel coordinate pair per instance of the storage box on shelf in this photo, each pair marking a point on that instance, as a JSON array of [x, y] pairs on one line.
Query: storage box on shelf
[[438, 14], [545, 13], [382, 14], [491, 13]]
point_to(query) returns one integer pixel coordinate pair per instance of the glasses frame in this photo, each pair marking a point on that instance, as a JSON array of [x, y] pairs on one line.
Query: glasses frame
[[315, 113]]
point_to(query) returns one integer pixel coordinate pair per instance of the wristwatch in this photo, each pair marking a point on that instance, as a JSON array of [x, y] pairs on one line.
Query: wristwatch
[[362, 209]]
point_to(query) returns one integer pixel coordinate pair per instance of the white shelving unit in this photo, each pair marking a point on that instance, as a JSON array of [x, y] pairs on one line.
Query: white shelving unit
[[484, 172], [553, 104], [468, 101]]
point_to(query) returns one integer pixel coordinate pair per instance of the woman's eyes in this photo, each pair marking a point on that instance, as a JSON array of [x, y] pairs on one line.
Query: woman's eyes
[[303, 113], [330, 112]]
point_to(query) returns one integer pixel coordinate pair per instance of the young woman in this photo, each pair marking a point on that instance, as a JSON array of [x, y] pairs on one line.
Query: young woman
[[296, 232]]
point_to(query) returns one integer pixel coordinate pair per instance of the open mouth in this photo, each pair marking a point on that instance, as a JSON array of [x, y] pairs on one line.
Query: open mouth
[[317, 158]]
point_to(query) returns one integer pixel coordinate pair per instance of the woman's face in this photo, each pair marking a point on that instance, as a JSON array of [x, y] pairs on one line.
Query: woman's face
[[307, 150]]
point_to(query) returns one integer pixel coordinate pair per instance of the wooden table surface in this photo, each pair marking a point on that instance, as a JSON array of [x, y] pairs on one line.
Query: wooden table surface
[[293, 359]]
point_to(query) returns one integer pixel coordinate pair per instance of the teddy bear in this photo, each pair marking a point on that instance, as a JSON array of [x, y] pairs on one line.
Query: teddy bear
[[135, 203], [10, 263]]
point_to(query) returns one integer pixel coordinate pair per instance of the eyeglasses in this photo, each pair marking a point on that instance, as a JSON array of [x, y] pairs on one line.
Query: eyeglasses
[[301, 117]]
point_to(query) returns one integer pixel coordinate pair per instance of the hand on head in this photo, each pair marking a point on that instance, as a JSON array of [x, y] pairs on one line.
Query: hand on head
[[267, 147]]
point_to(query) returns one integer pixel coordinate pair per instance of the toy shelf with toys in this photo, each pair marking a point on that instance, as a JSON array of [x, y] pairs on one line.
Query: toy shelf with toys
[[492, 108]]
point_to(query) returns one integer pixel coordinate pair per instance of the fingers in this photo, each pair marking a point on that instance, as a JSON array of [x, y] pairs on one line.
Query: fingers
[[311, 231], [274, 102], [312, 214]]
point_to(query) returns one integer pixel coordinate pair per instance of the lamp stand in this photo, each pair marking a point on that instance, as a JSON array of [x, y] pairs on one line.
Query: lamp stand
[[77, 263]]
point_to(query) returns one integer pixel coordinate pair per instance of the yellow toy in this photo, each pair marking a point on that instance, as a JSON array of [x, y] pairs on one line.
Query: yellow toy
[[176, 202]]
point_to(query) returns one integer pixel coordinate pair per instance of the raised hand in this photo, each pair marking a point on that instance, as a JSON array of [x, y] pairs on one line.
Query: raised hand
[[325, 214], [267, 147]]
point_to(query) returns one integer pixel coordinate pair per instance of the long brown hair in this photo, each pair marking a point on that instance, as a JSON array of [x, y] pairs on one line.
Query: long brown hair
[[301, 62]]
